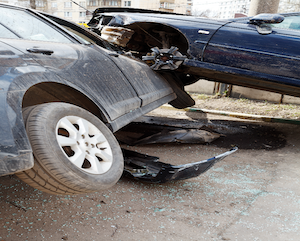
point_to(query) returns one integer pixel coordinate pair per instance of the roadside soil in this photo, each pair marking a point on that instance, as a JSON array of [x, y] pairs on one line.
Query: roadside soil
[[246, 106]]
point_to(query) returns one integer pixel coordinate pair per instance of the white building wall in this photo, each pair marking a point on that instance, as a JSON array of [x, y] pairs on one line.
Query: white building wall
[[228, 9], [181, 6], [176, 6], [287, 6], [67, 9], [221, 8], [149, 4]]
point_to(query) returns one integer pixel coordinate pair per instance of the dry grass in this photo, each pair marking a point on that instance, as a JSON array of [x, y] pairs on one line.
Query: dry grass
[[247, 106]]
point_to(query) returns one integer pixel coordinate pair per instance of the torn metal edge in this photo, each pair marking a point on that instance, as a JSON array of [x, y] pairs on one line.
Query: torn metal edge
[[148, 169]]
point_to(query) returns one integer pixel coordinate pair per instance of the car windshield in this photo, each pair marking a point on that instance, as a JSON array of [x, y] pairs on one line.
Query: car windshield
[[26, 26], [81, 37]]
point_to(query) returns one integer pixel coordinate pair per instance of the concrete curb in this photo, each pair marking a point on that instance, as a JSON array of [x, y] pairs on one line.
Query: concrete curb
[[238, 115]]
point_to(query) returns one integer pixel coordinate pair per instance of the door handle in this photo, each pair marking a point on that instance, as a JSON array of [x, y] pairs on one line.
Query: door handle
[[40, 51], [113, 54]]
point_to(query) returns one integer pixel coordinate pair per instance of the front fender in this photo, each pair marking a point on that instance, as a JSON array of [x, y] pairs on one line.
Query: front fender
[[15, 150]]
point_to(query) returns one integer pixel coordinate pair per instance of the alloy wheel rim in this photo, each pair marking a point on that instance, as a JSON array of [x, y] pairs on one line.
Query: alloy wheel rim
[[84, 145]]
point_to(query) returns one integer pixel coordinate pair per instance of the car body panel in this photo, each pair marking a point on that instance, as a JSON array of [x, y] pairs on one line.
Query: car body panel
[[149, 169], [244, 77], [116, 88], [93, 72], [147, 84], [15, 149], [276, 53]]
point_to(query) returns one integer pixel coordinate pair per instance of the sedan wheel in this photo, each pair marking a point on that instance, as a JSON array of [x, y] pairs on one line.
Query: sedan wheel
[[74, 151]]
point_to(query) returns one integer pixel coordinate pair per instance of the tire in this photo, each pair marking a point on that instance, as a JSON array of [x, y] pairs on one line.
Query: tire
[[74, 151]]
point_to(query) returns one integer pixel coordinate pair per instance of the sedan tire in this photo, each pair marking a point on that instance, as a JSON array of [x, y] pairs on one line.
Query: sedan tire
[[74, 151]]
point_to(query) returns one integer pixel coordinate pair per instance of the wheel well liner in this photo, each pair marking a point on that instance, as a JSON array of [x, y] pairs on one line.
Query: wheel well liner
[[56, 92], [147, 36]]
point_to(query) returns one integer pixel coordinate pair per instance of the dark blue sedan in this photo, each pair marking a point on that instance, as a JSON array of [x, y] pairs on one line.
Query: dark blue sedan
[[259, 52]]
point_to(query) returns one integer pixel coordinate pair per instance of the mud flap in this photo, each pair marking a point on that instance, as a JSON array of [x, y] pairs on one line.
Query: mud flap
[[148, 169], [183, 99]]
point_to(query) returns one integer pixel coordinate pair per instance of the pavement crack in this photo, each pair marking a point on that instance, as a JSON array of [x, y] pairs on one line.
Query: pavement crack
[[17, 206], [116, 228]]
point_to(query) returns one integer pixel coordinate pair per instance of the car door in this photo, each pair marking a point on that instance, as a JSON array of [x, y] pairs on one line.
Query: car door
[[239, 45], [148, 85], [84, 66]]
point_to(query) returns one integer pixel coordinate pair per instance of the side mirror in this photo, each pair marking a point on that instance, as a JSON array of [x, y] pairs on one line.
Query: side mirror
[[262, 20]]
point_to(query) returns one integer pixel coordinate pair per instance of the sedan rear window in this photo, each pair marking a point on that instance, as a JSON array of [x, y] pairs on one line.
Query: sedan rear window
[[27, 26]]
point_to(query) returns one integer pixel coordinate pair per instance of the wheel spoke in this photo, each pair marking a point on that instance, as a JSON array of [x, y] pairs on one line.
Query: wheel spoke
[[172, 50], [65, 141], [156, 50], [65, 123], [96, 166], [98, 139], [83, 126], [105, 166], [78, 158], [106, 157]]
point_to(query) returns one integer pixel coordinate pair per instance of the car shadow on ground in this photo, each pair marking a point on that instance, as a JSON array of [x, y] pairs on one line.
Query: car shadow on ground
[[247, 136], [243, 134]]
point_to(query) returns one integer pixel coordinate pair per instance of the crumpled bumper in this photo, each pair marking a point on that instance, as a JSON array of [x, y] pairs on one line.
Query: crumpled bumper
[[148, 169]]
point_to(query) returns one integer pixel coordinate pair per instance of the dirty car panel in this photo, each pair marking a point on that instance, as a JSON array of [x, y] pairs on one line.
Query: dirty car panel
[[46, 67]]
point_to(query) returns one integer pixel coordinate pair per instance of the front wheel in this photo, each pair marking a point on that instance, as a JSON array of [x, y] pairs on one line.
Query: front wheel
[[74, 151]]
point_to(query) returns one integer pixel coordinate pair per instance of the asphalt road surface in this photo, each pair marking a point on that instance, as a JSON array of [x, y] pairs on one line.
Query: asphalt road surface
[[253, 194]]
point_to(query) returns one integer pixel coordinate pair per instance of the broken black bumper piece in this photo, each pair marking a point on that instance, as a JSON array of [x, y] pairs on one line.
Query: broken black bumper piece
[[148, 169]]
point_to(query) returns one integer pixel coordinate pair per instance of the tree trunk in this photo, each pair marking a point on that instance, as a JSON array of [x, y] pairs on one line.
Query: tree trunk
[[263, 6], [32, 4]]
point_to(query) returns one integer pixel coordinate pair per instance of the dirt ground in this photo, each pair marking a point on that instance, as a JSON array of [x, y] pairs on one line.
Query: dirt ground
[[251, 195], [246, 106]]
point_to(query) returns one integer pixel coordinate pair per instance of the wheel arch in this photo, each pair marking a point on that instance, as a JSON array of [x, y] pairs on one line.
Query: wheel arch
[[46, 92], [145, 29]]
